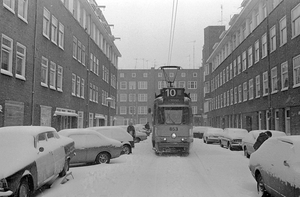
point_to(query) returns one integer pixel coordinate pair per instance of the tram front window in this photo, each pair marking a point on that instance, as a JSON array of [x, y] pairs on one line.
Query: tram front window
[[173, 115]]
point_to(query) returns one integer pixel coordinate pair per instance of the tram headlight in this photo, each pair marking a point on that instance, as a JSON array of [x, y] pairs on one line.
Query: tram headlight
[[184, 139], [173, 135]]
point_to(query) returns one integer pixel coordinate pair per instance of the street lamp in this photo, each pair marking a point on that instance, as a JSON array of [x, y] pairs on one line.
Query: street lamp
[[109, 100]]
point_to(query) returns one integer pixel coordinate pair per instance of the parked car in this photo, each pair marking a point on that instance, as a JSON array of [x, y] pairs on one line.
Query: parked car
[[211, 135], [198, 131], [250, 139], [139, 136], [141, 128], [232, 138], [92, 147], [275, 166], [119, 134], [32, 156]]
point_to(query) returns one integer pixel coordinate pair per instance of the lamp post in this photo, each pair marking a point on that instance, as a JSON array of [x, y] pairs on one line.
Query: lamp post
[[109, 100]]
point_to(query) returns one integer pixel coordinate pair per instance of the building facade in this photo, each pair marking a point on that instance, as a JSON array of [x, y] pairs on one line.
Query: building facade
[[252, 77], [58, 64], [137, 89]]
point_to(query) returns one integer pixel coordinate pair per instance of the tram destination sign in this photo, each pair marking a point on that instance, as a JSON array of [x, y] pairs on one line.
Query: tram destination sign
[[173, 95]]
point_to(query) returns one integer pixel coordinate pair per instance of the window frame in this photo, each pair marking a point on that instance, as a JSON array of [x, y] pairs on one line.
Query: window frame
[[23, 64]]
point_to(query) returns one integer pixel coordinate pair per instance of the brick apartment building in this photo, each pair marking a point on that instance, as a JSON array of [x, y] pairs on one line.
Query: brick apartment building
[[137, 89], [252, 77], [58, 64]]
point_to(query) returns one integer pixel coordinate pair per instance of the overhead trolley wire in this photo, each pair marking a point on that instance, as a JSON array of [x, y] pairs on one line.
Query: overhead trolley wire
[[172, 30]]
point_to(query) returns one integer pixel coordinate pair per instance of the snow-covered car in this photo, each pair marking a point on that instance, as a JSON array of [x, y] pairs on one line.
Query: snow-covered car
[[249, 140], [117, 133], [198, 131], [211, 135], [32, 156], [141, 128], [232, 138], [275, 166], [92, 147], [139, 136]]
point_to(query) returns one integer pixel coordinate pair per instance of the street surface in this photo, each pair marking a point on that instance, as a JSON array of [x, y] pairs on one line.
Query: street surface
[[208, 171]]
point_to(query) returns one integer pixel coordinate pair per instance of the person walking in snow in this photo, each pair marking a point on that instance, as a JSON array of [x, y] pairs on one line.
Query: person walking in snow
[[261, 139]]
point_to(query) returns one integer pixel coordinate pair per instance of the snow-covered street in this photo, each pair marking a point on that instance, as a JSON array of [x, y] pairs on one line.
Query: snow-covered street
[[208, 171]]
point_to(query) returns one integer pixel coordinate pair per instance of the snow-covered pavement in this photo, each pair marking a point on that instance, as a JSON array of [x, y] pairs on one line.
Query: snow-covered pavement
[[208, 171]]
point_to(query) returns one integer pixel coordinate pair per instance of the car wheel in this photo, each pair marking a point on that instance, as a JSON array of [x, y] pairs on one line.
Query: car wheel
[[261, 189], [229, 146], [23, 190], [102, 158], [126, 149], [137, 140], [65, 169]]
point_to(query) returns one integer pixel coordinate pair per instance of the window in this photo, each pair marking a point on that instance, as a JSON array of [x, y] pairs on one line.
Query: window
[[244, 61], [91, 119], [283, 31], [59, 77], [142, 110], [91, 92], [239, 65], [240, 93], [192, 85], [22, 9], [256, 55], [264, 46], [123, 97], [296, 71], [74, 47], [250, 57], [245, 91], [54, 27], [6, 55], [230, 71], [295, 17], [123, 85], [82, 88], [194, 74], [235, 95], [265, 84], [61, 35], [257, 86], [284, 76], [231, 96], [132, 85], [20, 61], [79, 51], [78, 86], [274, 83], [181, 84], [44, 72], [234, 68], [142, 97], [227, 97], [273, 38], [123, 110], [73, 84], [193, 97], [46, 23], [52, 79], [142, 85], [250, 89], [224, 78], [10, 5], [132, 98], [83, 55], [80, 119]]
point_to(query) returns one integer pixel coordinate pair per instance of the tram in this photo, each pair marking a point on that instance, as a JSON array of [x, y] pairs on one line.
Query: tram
[[172, 120]]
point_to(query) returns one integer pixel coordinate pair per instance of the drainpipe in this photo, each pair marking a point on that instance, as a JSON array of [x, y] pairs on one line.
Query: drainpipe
[[34, 63]]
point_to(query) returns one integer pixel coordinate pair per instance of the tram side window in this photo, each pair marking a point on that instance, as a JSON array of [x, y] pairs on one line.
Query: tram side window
[[161, 115], [186, 116]]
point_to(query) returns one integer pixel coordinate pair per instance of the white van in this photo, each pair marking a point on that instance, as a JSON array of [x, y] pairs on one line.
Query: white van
[[119, 134]]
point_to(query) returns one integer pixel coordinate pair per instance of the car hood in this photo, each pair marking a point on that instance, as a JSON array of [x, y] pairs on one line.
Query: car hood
[[16, 152]]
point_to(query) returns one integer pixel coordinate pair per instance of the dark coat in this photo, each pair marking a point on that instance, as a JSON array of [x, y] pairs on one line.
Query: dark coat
[[131, 130], [260, 140]]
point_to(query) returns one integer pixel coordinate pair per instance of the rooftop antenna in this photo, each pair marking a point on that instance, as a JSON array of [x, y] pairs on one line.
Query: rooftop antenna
[[221, 21]]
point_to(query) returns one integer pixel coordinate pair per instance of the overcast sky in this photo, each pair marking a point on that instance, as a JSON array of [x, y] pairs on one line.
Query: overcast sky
[[143, 27]]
